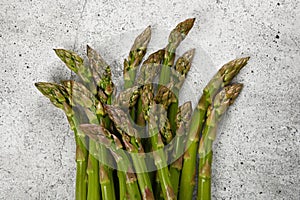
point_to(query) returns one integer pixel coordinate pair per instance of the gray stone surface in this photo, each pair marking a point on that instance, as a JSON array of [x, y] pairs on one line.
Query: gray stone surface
[[257, 153]]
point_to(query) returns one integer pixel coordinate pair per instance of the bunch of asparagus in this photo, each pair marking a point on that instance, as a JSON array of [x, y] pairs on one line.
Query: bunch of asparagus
[[115, 136]]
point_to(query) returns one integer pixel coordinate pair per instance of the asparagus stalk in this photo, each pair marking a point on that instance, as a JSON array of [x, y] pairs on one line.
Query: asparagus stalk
[[102, 76], [176, 36], [80, 95], [156, 140], [160, 159], [182, 67], [158, 191], [147, 74], [222, 78], [182, 121], [58, 96], [221, 102], [134, 146], [167, 95], [127, 180], [131, 96], [137, 52]]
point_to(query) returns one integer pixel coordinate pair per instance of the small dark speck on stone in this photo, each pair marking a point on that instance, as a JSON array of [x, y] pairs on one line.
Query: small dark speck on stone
[[277, 36], [279, 191], [260, 192], [27, 67], [252, 71], [278, 4], [224, 188], [20, 55], [242, 163], [98, 15]]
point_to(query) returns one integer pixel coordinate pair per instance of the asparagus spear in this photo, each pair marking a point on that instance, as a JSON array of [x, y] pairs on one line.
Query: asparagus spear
[[75, 63], [131, 96], [134, 146], [101, 74], [182, 67], [149, 69], [182, 121], [221, 102], [80, 95], [222, 78], [148, 72], [160, 160], [127, 180], [137, 52], [58, 96], [176, 36]]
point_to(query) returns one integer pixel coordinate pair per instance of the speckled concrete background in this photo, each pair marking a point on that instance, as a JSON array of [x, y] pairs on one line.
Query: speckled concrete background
[[257, 154]]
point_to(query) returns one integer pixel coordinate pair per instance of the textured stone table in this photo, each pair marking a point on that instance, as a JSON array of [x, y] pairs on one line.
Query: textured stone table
[[257, 153]]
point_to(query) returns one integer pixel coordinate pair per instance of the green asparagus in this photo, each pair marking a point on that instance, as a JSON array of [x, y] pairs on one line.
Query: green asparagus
[[80, 95], [137, 52], [222, 78], [182, 121], [153, 115], [127, 180], [58, 96], [182, 67], [219, 105], [133, 145], [176, 36]]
